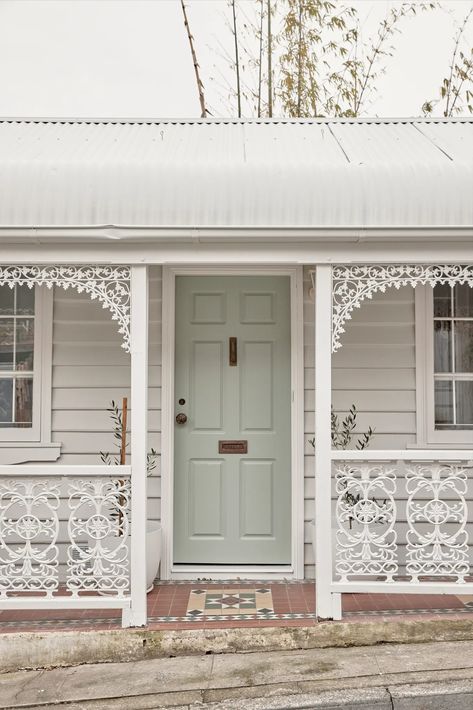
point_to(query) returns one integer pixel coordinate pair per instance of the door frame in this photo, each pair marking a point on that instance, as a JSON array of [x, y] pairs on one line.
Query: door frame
[[295, 569]]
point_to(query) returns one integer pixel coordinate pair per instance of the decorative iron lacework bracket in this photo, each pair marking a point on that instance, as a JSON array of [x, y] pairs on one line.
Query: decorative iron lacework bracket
[[108, 284], [352, 284]]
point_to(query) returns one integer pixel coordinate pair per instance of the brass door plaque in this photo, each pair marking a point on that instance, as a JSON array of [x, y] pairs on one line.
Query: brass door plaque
[[233, 447]]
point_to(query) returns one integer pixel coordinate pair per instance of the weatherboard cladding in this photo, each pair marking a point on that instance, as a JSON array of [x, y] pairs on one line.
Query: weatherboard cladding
[[281, 173]]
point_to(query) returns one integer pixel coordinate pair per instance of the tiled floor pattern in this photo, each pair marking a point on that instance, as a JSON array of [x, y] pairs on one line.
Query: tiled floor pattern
[[230, 602], [254, 604]]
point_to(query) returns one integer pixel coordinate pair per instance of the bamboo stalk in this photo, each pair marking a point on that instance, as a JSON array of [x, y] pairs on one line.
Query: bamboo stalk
[[237, 59], [123, 433], [200, 86], [260, 67], [121, 498], [299, 63], [270, 64]]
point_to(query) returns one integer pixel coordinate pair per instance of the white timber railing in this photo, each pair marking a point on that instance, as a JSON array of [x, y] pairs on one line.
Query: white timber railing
[[401, 521], [65, 539]]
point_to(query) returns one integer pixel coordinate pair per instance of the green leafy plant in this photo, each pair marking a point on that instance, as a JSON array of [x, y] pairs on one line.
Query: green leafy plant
[[306, 58], [343, 433], [456, 89], [119, 433]]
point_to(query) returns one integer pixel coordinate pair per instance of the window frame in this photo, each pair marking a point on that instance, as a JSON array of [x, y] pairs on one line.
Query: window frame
[[18, 444], [427, 434]]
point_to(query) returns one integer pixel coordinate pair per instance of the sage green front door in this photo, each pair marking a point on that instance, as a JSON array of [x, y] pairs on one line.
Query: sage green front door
[[232, 491]]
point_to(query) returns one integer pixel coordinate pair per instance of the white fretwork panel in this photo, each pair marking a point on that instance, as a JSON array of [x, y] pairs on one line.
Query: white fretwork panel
[[366, 541], [437, 517], [108, 284], [29, 527], [97, 544], [354, 283], [98, 527]]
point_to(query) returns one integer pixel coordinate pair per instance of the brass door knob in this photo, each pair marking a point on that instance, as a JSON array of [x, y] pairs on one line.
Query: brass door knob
[[181, 418]]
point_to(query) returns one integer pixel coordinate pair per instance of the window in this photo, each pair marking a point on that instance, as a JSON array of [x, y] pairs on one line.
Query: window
[[17, 334], [444, 362], [453, 357], [25, 375]]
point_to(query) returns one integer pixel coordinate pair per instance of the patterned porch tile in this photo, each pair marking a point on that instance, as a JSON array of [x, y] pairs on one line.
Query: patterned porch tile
[[229, 602], [466, 600]]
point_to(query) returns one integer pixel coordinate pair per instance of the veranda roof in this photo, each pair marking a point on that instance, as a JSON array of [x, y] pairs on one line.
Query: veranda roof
[[212, 174]]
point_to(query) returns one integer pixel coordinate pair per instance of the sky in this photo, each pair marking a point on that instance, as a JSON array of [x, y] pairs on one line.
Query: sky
[[131, 58]]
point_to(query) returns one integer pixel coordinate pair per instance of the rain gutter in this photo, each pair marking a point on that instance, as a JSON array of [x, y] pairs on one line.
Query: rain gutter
[[232, 234]]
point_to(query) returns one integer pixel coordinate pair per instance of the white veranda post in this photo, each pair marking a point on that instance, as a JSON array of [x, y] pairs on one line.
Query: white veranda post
[[139, 442], [328, 604]]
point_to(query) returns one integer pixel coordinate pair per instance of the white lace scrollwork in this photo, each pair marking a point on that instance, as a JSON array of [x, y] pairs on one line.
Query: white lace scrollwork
[[351, 284], [99, 526], [108, 284], [29, 528], [437, 515], [366, 541]]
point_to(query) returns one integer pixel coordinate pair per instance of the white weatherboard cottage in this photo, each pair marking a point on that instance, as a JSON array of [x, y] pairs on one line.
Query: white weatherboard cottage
[[233, 279]]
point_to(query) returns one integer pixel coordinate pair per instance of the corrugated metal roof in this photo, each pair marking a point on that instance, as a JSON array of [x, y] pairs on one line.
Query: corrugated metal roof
[[228, 173]]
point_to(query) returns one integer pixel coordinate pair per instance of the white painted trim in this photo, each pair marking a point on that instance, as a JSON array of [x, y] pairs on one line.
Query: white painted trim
[[372, 587], [137, 614], [87, 471], [296, 569], [167, 419], [328, 604], [421, 352], [228, 572], [105, 602], [47, 305], [403, 455], [427, 435], [297, 421], [23, 452], [290, 250]]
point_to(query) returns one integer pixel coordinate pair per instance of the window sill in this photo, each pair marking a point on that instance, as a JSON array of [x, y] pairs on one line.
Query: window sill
[[28, 452]]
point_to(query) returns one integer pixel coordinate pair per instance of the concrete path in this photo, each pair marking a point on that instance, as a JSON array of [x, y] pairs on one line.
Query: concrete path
[[434, 676]]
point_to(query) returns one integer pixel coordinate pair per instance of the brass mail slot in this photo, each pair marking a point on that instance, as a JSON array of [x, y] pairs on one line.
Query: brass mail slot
[[233, 447]]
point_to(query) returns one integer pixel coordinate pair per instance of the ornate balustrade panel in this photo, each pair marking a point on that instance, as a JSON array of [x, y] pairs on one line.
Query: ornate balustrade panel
[[99, 526], [402, 520], [29, 527], [437, 516], [35, 512], [366, 514]]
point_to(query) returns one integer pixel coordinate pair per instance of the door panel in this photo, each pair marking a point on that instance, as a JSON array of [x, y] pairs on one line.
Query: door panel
[[256, 386], [257, 308], [206, 514], [208, 308], [206, 402], [256, 498], [232, 508]]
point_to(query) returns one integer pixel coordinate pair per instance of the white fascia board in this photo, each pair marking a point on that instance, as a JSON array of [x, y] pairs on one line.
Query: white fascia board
[[448, 251]]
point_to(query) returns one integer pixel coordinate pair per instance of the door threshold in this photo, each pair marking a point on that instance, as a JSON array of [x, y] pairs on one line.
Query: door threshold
[[231, 572]]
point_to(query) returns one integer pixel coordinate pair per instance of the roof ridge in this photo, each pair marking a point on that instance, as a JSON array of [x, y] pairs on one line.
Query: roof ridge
[[232, 121]]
